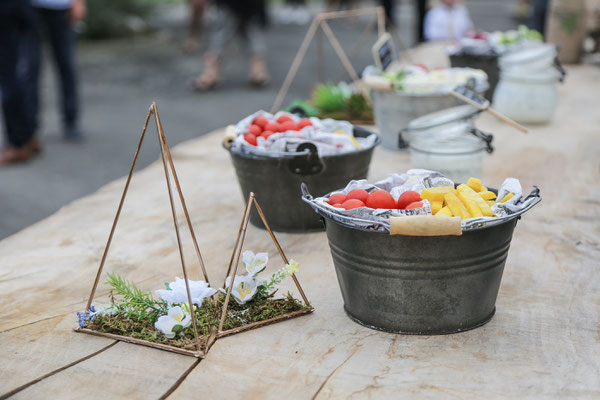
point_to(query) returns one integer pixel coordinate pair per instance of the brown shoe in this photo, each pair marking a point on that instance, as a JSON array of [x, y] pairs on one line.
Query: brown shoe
[[12, 155]]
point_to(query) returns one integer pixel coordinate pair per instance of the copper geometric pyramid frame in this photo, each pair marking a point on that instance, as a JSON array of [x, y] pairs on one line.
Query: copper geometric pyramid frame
[[168, 166]]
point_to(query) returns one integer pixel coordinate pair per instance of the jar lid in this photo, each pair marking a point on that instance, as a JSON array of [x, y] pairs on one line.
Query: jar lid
[[443, 117], [543, 76], [461, 141], [455, 146], [528, 54]]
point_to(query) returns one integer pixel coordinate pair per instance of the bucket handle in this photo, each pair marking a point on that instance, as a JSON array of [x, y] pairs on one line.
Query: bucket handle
[[308, 163], [486, 137], [561, 70]]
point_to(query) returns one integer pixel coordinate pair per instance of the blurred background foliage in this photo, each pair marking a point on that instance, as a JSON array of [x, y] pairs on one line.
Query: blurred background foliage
[[117, 18]]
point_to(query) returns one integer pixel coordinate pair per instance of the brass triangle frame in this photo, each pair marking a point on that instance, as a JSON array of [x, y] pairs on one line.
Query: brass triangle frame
[[234, 261], [168, 166]]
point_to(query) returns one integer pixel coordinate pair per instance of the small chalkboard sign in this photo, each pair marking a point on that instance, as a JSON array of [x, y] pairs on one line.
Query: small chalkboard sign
[[465, 94], [383, 52], [470, 97]]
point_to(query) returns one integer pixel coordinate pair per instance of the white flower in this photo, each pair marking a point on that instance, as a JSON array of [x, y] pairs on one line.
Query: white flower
[[255, 263], [175, 317], [291, 268], [244, 288], [177, 293]]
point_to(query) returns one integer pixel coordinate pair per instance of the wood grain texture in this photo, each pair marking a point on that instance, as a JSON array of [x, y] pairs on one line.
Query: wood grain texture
[[544, 340]]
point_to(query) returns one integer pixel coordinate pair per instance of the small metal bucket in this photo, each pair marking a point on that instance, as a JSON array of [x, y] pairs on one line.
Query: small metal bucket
[[276, 182], [485, 62], [420, 285], [393, 111]]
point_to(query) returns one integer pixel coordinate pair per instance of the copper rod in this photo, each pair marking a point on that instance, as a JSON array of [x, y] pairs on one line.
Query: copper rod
[[281, 253], [198, 354], [179, 191], [359, 45], [114, 225], [295, 65], [348, 13], [237, 252], [321, 55], [344, 59], [179, 245], [254, 325], [380, 21], [237, 241]]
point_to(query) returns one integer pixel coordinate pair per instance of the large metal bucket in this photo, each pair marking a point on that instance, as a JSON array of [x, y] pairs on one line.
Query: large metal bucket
[[276, 182], [420, 285], [423, 285], [393, 111]]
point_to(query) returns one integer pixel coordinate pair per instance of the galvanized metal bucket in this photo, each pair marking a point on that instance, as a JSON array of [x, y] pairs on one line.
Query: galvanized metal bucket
[[276, 182], [393, 111], [420, 285]]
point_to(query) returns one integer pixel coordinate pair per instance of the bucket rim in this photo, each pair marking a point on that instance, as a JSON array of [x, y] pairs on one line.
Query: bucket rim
[[475, 224], [290, 156]]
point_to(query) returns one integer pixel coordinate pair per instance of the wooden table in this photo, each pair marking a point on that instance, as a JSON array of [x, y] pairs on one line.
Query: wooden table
[[544, 340]]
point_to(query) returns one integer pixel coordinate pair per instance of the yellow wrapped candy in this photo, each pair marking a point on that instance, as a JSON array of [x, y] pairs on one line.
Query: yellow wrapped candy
[[436, 206], [470, 204], [475, 184], [436, 193], [456, 206], [444, 212], [487, 195], [471, 194], [507, 197]]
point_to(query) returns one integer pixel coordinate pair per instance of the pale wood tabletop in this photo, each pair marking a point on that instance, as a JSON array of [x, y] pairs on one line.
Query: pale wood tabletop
[[544, 340]]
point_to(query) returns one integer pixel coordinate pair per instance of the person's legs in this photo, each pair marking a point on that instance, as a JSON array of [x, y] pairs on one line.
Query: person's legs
[[62, 44], [223, 29], [14, 24], [421, 11], [388, 6], [255, 35], [195, 20]]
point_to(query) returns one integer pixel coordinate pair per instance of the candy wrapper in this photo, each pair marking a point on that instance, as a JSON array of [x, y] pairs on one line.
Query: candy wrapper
[[417, 180], [331, 137]]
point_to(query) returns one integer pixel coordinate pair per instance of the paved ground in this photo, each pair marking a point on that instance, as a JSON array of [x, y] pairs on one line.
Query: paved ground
[[121, 78]]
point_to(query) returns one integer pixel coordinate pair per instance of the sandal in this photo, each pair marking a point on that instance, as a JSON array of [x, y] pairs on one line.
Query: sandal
[[210, 78], [259, 76]]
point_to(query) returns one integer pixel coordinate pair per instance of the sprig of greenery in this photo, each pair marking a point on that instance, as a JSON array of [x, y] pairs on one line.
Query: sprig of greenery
[[135, 302]]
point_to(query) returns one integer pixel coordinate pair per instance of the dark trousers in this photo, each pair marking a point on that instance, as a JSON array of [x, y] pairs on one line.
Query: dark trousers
[[55, 25], [17, 35], [389, 6], [421, 11]]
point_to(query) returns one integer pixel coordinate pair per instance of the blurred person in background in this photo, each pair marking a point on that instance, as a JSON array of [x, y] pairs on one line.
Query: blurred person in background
[[537, 20], [335, 5], [17, 33], [294, 12], [421, 11], [246, 19], [389, 6], [449, 20], [56, 19], [195, 21]]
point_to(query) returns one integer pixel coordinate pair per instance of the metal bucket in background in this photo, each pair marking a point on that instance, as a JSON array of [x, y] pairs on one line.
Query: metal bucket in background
[[486, 62], [418, 284], [393, 111], [276, 182]]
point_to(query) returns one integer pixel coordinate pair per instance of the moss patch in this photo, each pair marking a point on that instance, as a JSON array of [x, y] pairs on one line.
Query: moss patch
[[207, 316]]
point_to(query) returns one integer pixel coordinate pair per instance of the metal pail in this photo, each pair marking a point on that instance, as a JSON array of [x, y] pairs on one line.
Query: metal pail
[[393, 111], [276, 182], [420, 285], [423, 285]]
